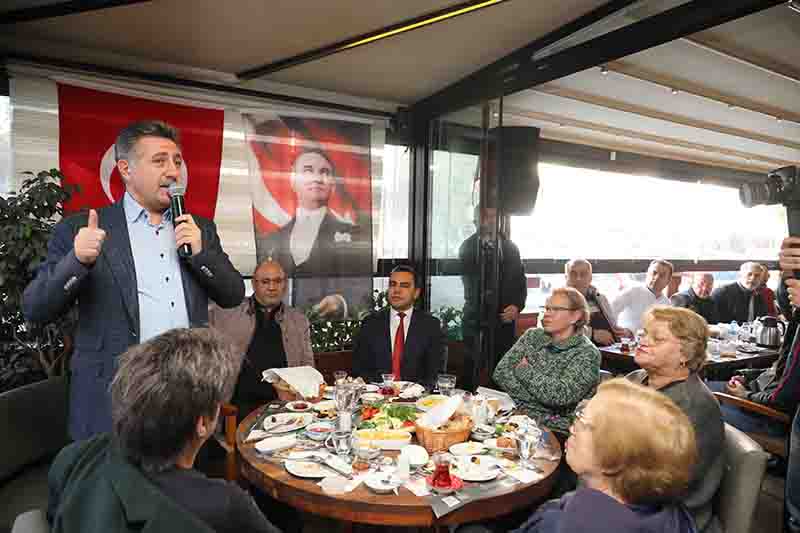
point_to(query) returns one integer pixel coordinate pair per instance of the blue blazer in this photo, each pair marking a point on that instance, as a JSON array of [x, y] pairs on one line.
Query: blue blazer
[[423, 352], [108, 304]]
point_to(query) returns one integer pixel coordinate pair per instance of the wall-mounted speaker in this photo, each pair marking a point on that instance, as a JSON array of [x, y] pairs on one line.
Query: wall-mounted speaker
[[517, 150]]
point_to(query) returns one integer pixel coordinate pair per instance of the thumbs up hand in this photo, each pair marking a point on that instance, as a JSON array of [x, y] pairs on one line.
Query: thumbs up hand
[[89, 240]]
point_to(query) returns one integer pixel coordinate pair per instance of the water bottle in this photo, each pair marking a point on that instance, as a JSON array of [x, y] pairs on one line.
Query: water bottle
[[733, 330]]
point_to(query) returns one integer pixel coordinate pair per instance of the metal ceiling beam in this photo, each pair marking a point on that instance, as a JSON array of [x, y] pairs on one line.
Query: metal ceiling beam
[[674, 118], [745, 57], [630, 70], [193, 84], [350, 43], [60, 9], [518, 71]]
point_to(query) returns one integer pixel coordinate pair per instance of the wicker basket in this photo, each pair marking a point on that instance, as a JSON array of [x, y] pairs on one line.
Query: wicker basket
[[438, 440], [288, 394]]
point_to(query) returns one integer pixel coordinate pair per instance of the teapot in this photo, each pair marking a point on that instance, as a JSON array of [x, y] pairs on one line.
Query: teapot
[[769, 332]]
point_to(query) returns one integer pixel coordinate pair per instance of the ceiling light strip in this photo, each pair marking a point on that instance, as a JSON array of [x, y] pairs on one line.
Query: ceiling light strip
[[369, 37]]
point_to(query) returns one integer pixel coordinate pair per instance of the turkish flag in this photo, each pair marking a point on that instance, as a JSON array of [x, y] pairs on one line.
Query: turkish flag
[[89, 122]]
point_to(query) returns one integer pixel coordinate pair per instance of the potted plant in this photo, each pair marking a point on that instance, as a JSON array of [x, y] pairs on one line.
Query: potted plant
[[29, 352]]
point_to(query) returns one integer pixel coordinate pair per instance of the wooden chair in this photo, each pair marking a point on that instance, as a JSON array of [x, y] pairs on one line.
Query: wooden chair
[[774, 445], [227, 440], [526, 321]]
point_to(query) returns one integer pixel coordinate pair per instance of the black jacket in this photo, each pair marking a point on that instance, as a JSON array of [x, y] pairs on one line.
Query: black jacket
[[733, 303], [705, 307], [423, 352]]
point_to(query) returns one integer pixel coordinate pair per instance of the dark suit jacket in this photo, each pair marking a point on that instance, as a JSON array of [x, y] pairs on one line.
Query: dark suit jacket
[[108, 304], [423, 352], [733, 303], [707, 308], [342, 266], [94, 489]]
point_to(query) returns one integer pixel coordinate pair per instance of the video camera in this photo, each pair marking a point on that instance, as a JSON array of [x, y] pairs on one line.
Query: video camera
[[781, 187]]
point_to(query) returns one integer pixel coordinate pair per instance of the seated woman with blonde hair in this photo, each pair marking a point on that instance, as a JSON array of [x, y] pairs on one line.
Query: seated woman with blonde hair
[[671, 353], [552, 368], [633, 450]]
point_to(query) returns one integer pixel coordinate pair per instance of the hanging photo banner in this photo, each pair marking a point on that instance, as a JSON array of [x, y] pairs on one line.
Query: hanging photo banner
[[312, 207]]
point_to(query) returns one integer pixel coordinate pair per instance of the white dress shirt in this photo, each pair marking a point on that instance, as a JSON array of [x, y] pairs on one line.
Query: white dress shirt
[[394, 323], [304, 232], [631, 304]]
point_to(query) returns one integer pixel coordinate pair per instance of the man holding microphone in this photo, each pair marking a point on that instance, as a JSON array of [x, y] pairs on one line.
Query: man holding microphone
[[121, 264]]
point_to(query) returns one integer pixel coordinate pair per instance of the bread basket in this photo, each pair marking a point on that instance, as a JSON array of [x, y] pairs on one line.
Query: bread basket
[[435, 440]]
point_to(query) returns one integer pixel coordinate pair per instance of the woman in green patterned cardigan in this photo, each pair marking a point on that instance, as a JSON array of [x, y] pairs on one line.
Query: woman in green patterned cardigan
[[552, 368]]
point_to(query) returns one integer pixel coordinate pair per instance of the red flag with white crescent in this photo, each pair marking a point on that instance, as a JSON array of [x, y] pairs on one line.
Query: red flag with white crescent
[[89, 122]]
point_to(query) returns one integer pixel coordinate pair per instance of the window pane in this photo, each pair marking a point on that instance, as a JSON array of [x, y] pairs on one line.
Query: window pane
[[606, 215]]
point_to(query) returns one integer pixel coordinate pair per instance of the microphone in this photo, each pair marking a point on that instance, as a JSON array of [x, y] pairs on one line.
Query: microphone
[[176, 193]]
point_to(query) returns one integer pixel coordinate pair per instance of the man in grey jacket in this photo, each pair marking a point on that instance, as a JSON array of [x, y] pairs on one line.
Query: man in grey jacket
[[266, 332]]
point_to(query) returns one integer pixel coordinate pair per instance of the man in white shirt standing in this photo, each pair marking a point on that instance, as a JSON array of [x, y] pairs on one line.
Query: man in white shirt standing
[[330, 258], [629, 305]]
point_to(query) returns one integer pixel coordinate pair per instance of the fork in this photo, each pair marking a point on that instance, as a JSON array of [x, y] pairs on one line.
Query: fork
[[321, 461]]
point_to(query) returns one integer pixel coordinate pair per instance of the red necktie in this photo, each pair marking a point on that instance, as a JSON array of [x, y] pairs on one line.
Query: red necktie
[[399, 344]]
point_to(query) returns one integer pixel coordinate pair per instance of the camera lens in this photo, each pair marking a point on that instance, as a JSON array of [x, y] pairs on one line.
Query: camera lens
[[751, 194], [767, 193]]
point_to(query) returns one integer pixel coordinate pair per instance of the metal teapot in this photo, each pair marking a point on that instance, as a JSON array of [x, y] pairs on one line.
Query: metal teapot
[[769, 332]]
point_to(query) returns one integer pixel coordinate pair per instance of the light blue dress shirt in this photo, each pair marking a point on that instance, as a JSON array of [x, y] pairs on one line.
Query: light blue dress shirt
[[162, 304]]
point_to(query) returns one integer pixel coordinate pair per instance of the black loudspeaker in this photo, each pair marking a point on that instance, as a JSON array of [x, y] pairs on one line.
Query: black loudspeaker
[[517, 152]]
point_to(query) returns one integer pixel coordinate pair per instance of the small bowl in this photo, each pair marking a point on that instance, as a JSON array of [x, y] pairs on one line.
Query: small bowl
[[371, 397], [481, 436], [319, 431]]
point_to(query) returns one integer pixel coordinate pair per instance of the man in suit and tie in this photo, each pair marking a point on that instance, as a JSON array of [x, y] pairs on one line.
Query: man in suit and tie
[[400, 340], [329, 257], [121, 265]]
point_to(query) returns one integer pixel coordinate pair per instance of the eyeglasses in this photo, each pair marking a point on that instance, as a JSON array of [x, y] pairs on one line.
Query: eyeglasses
[[653, 341], [269, 281], [580, 422], [554, 308]]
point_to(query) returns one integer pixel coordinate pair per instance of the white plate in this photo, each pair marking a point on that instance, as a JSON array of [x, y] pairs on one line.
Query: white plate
[[417, 455], [326, 405], [382, 482], [301, 421], [492, 445], [307, 469], [370, 388], [388, 444], [276, 444], [484, 471], [299, 406], [423, 405], [467, 448]]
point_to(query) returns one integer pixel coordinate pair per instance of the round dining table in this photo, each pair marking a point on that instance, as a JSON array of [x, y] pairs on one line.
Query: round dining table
[[404, 509]]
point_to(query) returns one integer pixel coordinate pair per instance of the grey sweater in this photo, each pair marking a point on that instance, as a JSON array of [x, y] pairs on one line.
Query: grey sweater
[[699, 404]]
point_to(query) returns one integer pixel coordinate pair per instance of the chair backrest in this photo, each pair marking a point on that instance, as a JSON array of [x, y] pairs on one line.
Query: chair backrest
[[33, 423], [737, 497], [525, 321]]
